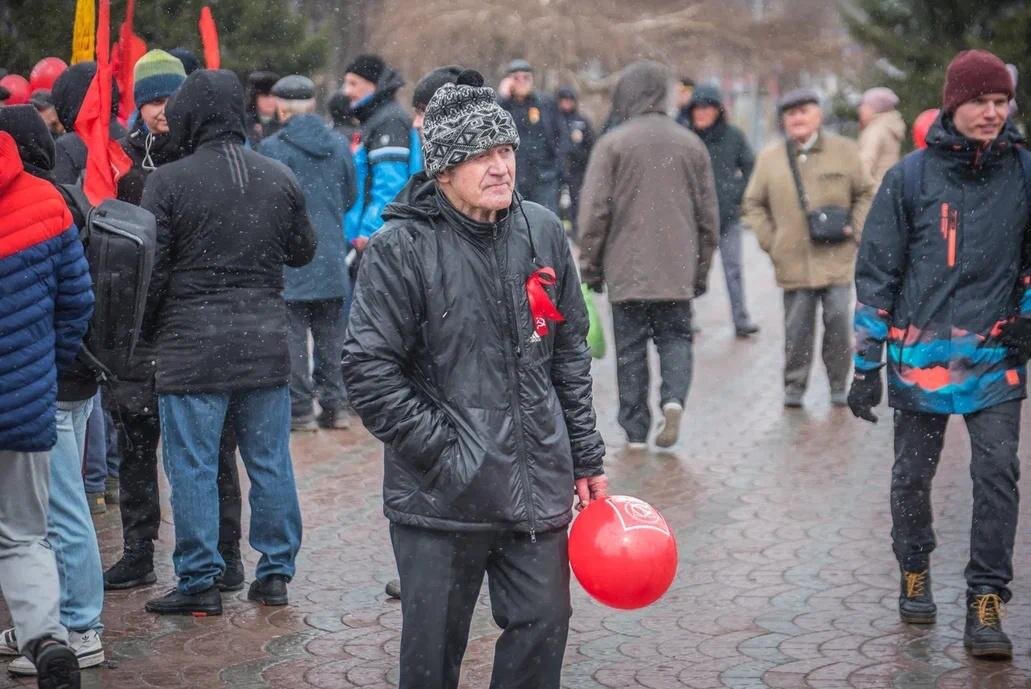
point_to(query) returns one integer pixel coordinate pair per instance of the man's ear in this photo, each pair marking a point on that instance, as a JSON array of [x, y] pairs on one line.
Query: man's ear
[[444, 177]]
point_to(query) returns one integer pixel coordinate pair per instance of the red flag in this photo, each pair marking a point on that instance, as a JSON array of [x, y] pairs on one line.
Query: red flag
[[127, 51], [106, 162], [542, 309], [209, 39]]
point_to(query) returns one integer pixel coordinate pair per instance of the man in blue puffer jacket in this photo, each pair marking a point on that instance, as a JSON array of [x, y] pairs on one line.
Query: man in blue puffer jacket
[[45, 308]]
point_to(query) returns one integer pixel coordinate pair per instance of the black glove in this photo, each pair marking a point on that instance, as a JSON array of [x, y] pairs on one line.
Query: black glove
[[865, 394], [700, 288], [596, 286], [1017, 336]]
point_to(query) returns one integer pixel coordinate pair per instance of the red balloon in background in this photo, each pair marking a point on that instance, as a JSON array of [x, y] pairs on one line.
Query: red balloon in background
[[922, 124], [18, 86], [45, 73], [623, 552]]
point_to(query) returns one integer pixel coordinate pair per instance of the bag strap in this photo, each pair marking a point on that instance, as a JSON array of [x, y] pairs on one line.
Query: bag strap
[[803, 201], [912, 182], [1024, 156]]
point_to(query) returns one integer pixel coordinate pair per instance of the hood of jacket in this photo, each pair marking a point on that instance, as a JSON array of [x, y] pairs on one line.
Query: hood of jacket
[[386, 88], [889, 123], [70, 90], [207, 108], [310, 135], [642, 89], [10, 161], [35, 144], [965, 155]]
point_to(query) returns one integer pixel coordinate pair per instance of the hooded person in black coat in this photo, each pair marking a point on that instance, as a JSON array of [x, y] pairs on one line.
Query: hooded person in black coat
[[484, 406], [228, 221]]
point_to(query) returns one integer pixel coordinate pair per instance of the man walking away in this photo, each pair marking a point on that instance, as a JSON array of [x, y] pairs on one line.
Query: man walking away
[[48, 316], [944, 277], [315, 294], [228, 220], [880, 142], [811, 182], [649, 232], [732, 162]]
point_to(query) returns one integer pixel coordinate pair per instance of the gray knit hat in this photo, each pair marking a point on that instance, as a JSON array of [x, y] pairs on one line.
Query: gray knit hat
[[463, 120]]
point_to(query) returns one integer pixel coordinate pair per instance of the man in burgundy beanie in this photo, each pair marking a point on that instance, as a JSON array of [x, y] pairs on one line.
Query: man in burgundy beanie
[[944, 279]]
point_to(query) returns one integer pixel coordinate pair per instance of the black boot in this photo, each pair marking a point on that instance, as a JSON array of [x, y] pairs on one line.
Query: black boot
[[202, 604], [56, 665], [232, 577], [983, 635], [916, 604], [269, 591], [136, 568]]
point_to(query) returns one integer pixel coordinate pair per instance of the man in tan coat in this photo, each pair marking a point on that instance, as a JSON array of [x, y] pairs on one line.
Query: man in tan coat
[[880, 142], [649, 225], [810, 273]]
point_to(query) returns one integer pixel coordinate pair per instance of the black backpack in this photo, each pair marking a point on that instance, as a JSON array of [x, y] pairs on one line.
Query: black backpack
[[120, 241]]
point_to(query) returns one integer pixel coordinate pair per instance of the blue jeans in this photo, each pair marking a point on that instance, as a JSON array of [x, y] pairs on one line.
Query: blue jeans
[[70, 529], [191, 428], [102, 458]]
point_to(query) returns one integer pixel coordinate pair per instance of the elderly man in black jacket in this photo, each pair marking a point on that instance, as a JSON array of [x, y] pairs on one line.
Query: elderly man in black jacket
[[228, 221], [466, 356]]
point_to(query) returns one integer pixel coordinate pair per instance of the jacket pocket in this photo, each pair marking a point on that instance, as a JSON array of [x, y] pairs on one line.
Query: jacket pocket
[[432, 476]]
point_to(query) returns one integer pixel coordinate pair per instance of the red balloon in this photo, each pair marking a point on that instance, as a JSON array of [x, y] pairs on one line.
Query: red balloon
[[18, 87], [623, 552], [45, 73], [922, 124]]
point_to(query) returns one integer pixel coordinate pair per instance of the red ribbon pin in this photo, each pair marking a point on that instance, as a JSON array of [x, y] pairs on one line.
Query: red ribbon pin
[[542, 309]]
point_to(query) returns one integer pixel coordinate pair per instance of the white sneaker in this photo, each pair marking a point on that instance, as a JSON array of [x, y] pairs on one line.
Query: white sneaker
[[670, 431], [8, 644], [86, 646]]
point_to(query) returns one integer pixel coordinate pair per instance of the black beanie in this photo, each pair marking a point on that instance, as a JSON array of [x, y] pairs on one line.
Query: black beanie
[[429, 84], [368, 67], [189, 60], [35, 144]]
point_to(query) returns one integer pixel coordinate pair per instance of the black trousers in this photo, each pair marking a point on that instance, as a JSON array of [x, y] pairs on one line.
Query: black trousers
[[633, 324], [441, 574], [140, 503], [995, 470]]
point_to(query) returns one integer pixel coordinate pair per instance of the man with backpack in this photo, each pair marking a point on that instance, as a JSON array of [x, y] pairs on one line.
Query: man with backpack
[[229, 220], [157, 76], [45, 318], [943, 278]]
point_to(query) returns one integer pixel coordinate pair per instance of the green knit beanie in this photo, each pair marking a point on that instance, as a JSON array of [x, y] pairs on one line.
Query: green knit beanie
[[157, 75]]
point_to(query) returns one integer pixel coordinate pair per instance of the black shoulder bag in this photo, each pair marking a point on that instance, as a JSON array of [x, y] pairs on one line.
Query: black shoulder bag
[[828, 224]]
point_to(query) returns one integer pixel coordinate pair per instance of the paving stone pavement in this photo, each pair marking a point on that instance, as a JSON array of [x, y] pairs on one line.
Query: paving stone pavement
[[786, 574]]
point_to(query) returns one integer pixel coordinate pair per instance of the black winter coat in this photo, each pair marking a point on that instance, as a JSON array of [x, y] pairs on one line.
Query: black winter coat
[[485, 423], [228, 220], [938, 288], [732, 163]]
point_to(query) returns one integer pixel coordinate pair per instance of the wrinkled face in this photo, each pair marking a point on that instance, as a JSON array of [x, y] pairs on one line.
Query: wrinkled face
[[357, 88], [522, 84], [49, 116], [265, 104], [704, 116], [418, 115], [483, 183], [153, 114], [802, 121], [567, 105], [983, 118]]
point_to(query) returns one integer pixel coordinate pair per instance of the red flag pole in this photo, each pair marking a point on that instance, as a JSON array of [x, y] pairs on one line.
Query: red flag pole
[[209, 39]]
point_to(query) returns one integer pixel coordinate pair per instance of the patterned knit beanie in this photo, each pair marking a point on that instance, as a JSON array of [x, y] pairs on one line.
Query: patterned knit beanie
[[157, 75], [463, 120]]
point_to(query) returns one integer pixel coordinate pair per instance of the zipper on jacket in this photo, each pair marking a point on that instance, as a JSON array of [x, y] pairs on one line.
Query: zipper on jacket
[[517, 413], [949, 225]]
